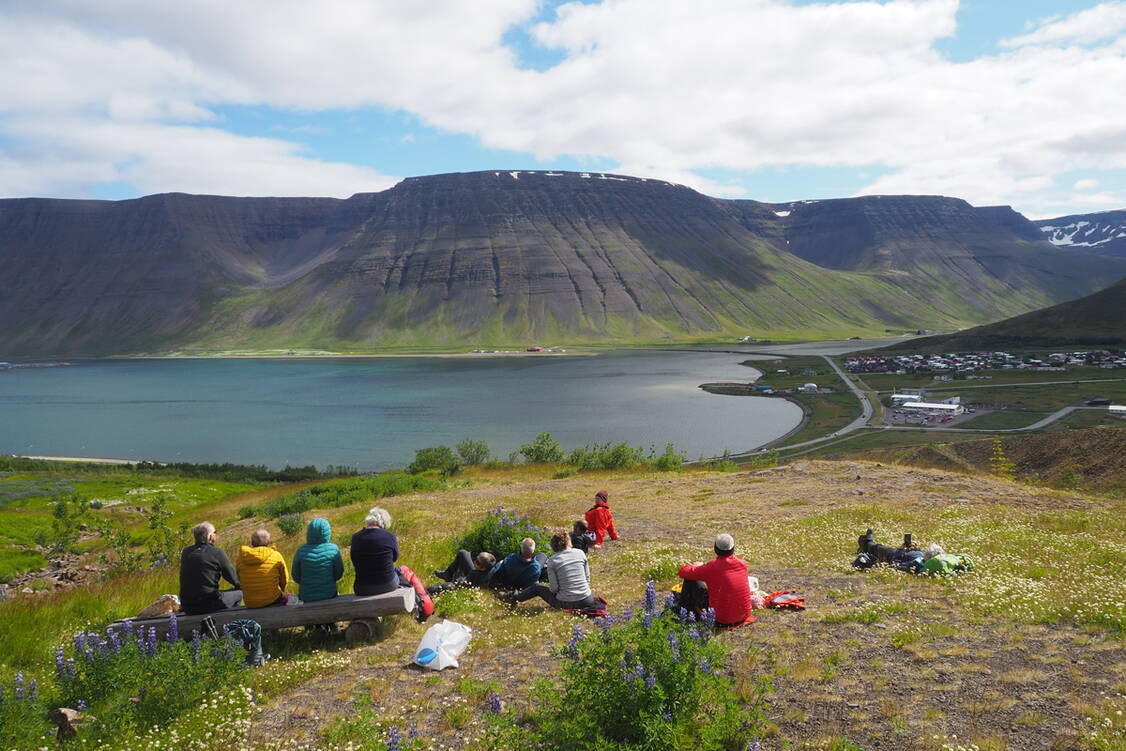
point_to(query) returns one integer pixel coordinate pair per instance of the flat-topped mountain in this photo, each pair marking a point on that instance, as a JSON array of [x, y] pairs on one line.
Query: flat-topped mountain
[[1103, 232], [490, 258]]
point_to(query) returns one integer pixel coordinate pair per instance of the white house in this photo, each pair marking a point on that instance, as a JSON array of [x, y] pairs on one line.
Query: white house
[[935, 407]]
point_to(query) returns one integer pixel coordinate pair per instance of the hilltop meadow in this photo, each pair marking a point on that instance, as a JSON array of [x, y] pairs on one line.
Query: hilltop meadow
[[1024, 652]]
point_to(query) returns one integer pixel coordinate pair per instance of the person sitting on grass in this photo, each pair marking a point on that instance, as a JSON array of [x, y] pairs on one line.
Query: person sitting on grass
[[262, 571], [600, 519], [721, 584], [317, 565], [568, 579], [581, 536], [518, 570], [465, 571], [202, 566], [374, 551]]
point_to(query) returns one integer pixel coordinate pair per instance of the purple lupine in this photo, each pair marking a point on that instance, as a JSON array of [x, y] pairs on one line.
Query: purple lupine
[[666, 716], [694, 633], [670, 601], [80, 642], [394, 739], [754, 745], [60, 662], [639, 672], [114, 642], [674, 645], [89, 656], [572, 649], [152, 641], [651, 679], [705, 666], [604, 622], [71, 668], [197, 640], [412, 731], [709, 617], [81, 706], [647, 619], [494, 703], [173, 634], [18, 690], [33, 690], [650, 596], [128, 628], [627, 616]]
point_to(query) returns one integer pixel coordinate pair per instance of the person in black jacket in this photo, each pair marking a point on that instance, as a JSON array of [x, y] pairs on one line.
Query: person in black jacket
[[581, 537], [374, 552], [202, 565]]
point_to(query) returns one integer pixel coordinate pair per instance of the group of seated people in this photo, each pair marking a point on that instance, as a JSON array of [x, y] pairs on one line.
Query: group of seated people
[[932, 559], [259, 577]]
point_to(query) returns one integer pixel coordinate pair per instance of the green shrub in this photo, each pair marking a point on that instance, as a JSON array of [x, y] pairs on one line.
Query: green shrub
[[671, 460], [291, 524], [473, 453], [542, 450], [649, 682], [132, 682], [247, 512], [440, 459], [608, 456], [346, 492], [500, 533]]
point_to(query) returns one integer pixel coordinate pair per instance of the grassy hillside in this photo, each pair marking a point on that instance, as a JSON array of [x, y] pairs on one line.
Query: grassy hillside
[[1023, 653]]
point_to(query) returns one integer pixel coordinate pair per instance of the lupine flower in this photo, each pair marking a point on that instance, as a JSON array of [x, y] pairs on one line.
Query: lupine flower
[[694, 633], [18, 691], [152, 640], [647, 619], [670, 601], [79, 642], [115, 642], [627, 616], [709, 617], [128, 628], [650, 596], [639, 672], [33, 690], [683, 613], [197, 640], [627, 658], [394, 739], [704, 665], [71, 668], [173, 634], [674, 645], [89, 656], [60, 662], [651, 679], [412, 731], [572, 648], [754, 745], [81, 706], [494, 703], [666, 716]]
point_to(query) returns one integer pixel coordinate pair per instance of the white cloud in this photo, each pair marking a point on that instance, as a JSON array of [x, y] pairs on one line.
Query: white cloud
[[1086, 184], [659, 87]]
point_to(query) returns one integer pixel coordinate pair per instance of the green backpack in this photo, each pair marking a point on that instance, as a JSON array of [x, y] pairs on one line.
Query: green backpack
[[948, 563]]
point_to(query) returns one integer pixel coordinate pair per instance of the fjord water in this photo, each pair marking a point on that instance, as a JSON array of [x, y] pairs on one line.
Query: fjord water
[[374, 413]]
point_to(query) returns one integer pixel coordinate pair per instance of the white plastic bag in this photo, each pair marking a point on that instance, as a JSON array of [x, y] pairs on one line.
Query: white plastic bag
[[441, 645]]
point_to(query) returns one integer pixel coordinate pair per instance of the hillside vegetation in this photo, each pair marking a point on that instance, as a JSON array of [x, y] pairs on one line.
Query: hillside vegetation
[[1023, 653]]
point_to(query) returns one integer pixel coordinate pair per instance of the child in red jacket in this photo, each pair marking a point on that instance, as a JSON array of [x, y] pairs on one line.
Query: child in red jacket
[[600, 519]]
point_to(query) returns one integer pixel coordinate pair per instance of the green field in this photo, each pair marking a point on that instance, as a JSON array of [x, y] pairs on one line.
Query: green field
[[1005, 419], [828, 412]]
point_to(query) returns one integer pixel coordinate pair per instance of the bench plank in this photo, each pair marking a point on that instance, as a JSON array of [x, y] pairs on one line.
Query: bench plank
[[340, 608]]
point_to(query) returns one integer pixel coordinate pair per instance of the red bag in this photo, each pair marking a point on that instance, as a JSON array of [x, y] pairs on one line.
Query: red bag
[[787, 598], [601, 609], [424, 607]]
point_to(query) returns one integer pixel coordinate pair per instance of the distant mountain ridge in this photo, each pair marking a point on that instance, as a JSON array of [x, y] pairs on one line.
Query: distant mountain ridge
[[1103, 232], [498, 257]]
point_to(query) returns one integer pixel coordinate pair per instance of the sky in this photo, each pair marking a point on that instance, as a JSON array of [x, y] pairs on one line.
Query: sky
[[997, 102]]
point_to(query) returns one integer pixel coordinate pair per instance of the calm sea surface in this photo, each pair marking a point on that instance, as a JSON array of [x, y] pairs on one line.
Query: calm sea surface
[[374, 413]]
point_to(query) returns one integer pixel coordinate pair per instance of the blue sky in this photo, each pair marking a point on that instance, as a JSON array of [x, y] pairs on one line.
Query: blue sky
[[995, 102]]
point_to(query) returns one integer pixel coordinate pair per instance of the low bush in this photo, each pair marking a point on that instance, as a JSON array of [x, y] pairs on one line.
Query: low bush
[[440, 459], [500, 533], [542, 450], [291, 524], [472, 452], [654, 681], [609, 456], [347, 492]]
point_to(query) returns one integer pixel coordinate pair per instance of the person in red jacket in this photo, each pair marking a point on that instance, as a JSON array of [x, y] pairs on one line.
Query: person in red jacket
[[720, 583], [600, 519]]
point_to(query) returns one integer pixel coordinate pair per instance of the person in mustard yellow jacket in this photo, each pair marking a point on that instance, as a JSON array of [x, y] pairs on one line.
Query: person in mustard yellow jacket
[[262, 572]]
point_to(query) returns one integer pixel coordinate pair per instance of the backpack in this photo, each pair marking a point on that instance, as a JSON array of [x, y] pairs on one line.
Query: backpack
[[424, 605], [787, 599], [600, 610], [864, 562]]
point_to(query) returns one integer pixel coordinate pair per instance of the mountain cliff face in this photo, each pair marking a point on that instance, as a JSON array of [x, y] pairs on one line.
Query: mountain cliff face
[[1103, 233], [491, 258]]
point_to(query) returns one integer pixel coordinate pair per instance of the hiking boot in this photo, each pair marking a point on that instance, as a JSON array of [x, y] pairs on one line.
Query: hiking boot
[[442, 574]]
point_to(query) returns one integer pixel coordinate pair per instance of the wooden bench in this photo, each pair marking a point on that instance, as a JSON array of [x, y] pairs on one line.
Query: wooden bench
[[359, 610]]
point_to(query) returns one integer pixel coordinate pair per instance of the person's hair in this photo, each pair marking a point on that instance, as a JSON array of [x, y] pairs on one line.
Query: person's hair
[[202, 531], [259, 538], [486, 560], [377, 517], [581, 525], [932, 550], [724, 544], [527, 547], [560, 541]]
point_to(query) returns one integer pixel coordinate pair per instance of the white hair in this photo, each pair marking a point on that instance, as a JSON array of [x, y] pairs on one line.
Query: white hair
[[202, 531], [527, 547], [260, 538], [377, 517], [932, 550]]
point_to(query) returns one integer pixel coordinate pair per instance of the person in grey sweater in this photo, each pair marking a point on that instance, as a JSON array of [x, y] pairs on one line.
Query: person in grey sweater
[[568, 578]]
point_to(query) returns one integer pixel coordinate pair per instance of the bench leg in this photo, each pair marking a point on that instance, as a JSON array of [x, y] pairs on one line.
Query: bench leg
[[361, 630]]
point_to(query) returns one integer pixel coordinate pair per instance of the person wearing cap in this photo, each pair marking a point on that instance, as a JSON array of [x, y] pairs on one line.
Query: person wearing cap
[[600, 519], [721, 584]]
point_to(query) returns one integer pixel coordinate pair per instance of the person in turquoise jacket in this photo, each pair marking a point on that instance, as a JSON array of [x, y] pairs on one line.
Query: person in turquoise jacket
[[317, 564]]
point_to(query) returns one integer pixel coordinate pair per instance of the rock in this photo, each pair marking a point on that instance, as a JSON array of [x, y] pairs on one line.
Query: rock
[[858, 492], [68, 721], [27, 591]]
